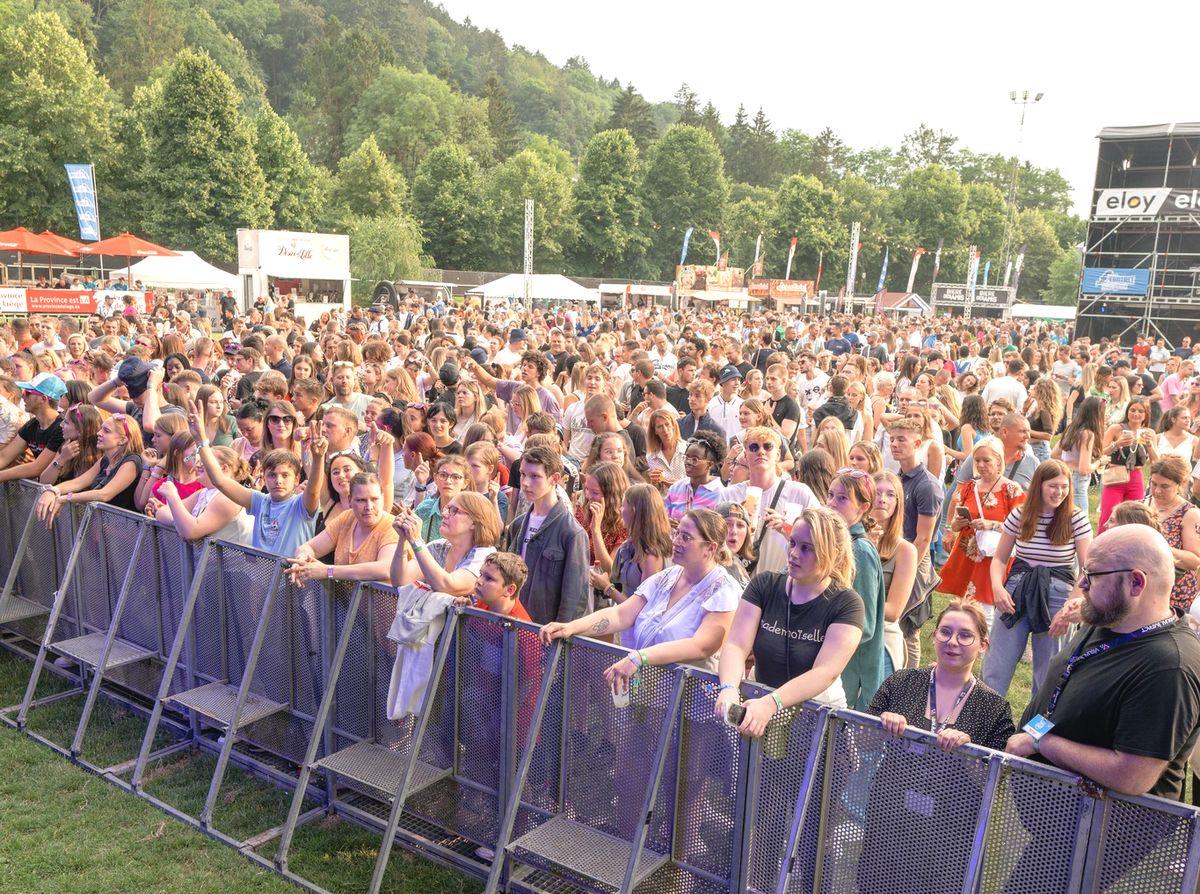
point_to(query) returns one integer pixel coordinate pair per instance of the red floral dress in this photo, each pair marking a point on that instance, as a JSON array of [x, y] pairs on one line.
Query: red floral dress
[[967, 573], [1183, 593]]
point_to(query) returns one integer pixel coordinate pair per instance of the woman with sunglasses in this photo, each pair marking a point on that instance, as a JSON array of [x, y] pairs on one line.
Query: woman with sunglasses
[[112, 479], [280, 427], [700, 488]]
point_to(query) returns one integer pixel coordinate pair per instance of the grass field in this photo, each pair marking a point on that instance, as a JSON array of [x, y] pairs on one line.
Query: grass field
[[65, 831]]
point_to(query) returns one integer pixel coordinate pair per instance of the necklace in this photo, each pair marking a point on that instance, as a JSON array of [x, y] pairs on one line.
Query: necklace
[[937, 724]]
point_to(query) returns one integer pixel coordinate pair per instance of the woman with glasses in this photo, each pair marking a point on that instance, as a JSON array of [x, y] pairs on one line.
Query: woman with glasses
[[851, 495], [699, 488], [681, 615], [465, 536], [1046, 538], [977, 512], [449, 480], [112, 479], [280, 425], [802, 627], [647, 549]]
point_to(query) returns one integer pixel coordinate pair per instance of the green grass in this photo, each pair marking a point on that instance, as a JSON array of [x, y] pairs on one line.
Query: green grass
[[64, 830]]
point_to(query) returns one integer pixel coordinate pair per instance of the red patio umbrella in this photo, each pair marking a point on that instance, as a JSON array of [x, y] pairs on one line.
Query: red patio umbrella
[[22, 241], [126, 246], [69, 246]]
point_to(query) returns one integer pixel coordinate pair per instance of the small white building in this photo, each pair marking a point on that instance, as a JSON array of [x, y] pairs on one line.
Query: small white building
[[314, 268]]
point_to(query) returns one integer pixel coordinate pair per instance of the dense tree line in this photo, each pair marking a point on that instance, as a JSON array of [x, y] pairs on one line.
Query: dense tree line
[[422, 137]]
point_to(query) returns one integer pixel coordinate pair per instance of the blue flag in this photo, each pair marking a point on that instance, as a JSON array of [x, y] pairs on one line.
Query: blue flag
[[883, 270], [687, 237], [987, 269], [83, 191]]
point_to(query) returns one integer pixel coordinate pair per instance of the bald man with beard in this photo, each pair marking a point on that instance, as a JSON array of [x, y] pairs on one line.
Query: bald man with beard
[[1121, 703]]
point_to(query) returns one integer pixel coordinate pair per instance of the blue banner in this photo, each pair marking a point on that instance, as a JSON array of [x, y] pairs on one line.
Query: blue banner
[[987, 270], [87, 210], [1116, 280], [687, 237], [883, 270]]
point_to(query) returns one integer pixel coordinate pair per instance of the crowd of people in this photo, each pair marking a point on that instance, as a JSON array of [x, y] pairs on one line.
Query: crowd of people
[[774, 497]]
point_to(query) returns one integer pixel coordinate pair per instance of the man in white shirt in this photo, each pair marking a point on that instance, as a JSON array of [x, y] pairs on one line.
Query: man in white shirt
[[664, 361], [726, 405], [510, 354], [1065, 371], [1008, 386], [812, 383]]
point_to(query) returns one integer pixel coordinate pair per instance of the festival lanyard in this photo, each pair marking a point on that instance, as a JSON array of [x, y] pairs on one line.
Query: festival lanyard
[[1099, 649], [934, 723]]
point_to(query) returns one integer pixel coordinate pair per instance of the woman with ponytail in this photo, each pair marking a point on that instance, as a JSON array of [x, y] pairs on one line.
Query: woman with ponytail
[[852, 495]]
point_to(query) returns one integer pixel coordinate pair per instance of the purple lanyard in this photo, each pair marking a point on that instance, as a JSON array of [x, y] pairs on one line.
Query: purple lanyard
[[1099, 649]]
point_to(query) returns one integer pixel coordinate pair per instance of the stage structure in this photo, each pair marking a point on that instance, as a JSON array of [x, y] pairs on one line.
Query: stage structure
[[1141, 262]]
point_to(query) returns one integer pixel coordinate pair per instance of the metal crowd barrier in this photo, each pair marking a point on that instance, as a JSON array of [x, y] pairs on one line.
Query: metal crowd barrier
[[514, 764]]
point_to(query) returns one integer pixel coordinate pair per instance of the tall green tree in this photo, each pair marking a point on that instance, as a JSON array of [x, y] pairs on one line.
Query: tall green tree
[[926, 146], [986, 219], [689, 105], [54, 109], [807, 209], [1041, 250], [123, 180], [202, 175], [387, 247], [606, 207], [296, 188], [502, 119], [448, 201], [745, 219], [710, 120], [737, 147], [527, 176], [631, 111], [930, 204], [683, 186], [1062, 281], [366, 185]]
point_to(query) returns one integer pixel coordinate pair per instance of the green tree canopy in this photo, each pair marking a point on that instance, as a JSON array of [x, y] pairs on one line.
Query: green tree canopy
[[296, 188], [203, 178], [448, 201], [607, 209], [366, 185], [1062, 285], [683, 186], [387, 247], [930, 204], [54, 109], [804, 208], [631, 112], [508, 185]]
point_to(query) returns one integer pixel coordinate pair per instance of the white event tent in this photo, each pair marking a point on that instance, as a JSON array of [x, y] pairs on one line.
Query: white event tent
[[546, 287], [186, 271]]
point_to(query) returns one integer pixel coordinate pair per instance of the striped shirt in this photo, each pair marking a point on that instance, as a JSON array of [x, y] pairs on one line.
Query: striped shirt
[[1039, 550], [682, 496]]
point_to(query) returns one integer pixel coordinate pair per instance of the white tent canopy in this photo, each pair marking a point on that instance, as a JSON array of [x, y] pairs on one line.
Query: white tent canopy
[[1042, 311], [186, 271], [545, 287]]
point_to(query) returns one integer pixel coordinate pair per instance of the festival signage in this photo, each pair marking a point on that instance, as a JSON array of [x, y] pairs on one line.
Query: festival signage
[[700, 278], [283, 253], [12, 301], [77, 302], [782, 289], [1154, 201], [82, 180], [1116, 280], [956, 295]]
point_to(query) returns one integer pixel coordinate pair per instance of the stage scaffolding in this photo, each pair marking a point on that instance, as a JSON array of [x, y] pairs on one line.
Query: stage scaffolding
[[1161, 160]]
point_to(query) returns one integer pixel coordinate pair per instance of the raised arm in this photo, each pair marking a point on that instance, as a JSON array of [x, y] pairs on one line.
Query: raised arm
[[99, 396], [316, 474], [151, 407], [238, 493]]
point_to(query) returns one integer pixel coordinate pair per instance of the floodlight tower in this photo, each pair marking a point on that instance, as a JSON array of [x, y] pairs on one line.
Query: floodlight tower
[[1023, 98]]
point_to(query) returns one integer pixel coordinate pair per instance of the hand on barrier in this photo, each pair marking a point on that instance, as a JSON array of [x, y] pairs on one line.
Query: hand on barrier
[[948, 739], [725, 698], [759, 712], [552, 631], [45, 508], [894, 723], [1020, 744], [619, 674], [301, 572], [1070, 613]]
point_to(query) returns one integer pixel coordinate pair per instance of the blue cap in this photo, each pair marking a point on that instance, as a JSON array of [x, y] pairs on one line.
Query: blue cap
[[45, 384]]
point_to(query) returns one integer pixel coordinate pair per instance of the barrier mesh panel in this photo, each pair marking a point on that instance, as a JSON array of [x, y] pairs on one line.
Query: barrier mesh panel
[[353, 712], [1145, 850], [141, 617], [107, 554], [206, 651], [901, 814], [1031, 834], [37, 576], [778, 775], [66, 526], [176, 561], [540, 795], [10, 525]]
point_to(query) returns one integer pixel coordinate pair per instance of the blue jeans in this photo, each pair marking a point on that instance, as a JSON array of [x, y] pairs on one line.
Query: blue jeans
[[939, 554], [1040, 449], [1008, 644], [1080, 484]]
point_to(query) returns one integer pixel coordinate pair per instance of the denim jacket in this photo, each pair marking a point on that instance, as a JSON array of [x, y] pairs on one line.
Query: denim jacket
[[558, 583]]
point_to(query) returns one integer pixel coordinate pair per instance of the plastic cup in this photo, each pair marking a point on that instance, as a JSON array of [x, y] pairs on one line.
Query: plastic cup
[[791, 512], [753, 499], [620, 698]]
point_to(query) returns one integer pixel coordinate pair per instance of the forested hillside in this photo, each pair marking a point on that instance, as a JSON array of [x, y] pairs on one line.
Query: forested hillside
[[421, 136]]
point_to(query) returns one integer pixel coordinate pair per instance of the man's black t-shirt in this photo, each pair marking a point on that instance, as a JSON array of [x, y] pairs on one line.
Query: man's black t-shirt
[[678, 398], [38, 439], [790, 636], [1140, 698], [785, 408]]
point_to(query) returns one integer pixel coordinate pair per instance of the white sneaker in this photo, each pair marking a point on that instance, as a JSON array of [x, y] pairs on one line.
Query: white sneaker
[[64, 662], [484, 852]]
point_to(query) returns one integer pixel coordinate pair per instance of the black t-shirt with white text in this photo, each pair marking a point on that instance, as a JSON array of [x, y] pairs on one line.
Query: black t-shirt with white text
[[789, 636], [38, 439], [1141, 698]]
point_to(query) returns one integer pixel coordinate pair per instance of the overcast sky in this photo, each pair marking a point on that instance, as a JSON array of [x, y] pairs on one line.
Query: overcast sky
[[873, 71]]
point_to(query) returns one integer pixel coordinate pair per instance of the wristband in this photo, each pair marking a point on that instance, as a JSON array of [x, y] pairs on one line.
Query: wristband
[[421, 488], [725, 686], [206, 443], [642, 657], [635, 657], [56, 464], [778, 702], [329, 572], [417, 546]]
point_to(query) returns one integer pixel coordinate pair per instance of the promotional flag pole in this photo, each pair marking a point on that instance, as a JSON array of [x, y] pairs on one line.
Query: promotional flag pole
[[791, 254], [912, 273]]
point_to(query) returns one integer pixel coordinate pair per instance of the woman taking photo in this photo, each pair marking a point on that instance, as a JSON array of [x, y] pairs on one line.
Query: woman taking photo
[[977, 512], [664, 449], [468, 534], [599, 512], [112, 479], [645, 551], [852, 495], [1129, 445], [813, 599], [680, 615], [362, 540], [898, 560], [1079, 448], [1047, 538], [208, 512]]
